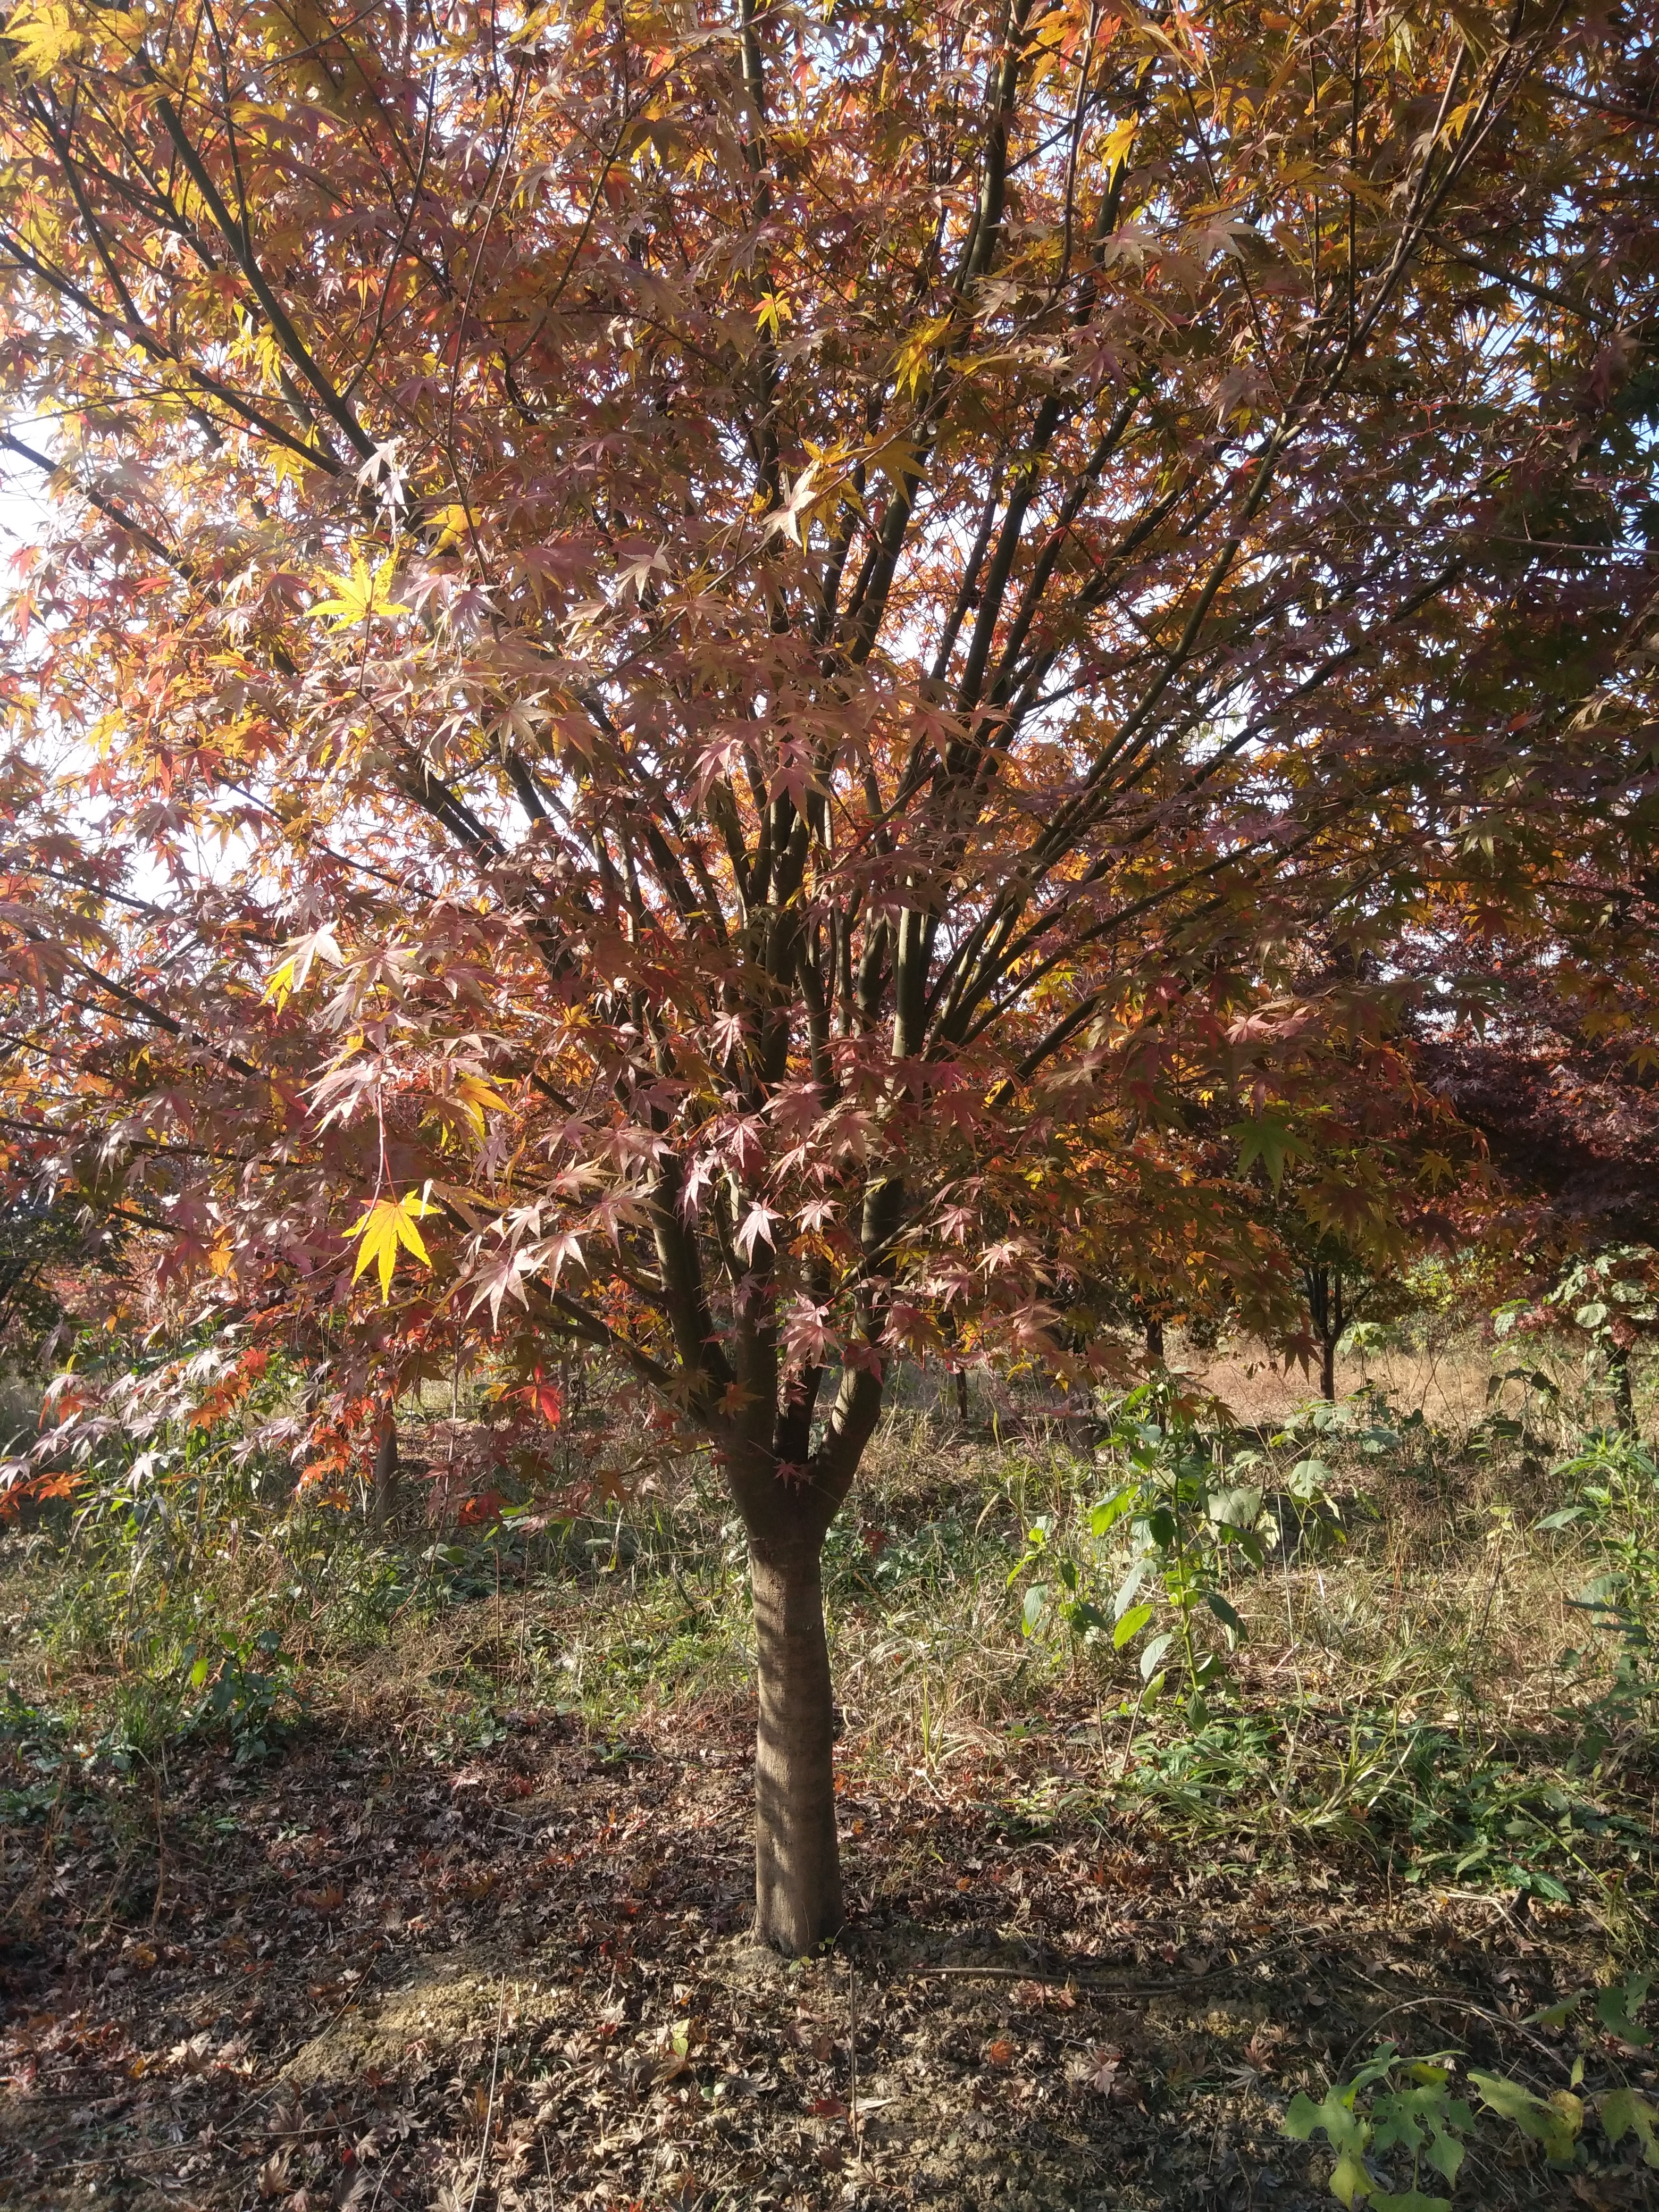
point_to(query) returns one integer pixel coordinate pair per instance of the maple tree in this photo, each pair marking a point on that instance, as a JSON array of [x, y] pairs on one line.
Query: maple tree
[[706, 669], [1562, 1093]]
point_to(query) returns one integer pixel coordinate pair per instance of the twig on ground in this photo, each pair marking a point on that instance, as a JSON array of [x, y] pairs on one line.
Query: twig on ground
[[1081, 1977], [1458, 2004], [853, 2125], [160, 1853], [1481, 1897], [490, 2110]]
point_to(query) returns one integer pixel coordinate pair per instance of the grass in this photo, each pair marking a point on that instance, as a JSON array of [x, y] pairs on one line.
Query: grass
[[1424, 1683], [1423, 1714]]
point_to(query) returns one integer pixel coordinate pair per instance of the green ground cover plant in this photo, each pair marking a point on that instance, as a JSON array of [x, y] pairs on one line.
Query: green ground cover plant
[[1257, 1660]]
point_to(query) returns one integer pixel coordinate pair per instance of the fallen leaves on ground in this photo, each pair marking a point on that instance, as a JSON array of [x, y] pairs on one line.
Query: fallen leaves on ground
[[351, 1978]]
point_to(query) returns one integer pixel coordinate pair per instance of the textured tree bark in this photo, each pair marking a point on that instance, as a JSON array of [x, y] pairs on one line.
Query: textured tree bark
[[1324, 1292], [798, 1893], [384, 1491]]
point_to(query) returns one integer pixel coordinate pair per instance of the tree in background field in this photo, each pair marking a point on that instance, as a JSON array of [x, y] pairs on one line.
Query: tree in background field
[[1564, 1094], [45, 1247], [702, 671], [1332, 1185]]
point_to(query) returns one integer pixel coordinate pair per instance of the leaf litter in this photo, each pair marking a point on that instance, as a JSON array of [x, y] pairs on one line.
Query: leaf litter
[[351, 1977]]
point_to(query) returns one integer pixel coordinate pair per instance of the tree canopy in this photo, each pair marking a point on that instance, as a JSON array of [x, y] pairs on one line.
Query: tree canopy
[[719, 682]]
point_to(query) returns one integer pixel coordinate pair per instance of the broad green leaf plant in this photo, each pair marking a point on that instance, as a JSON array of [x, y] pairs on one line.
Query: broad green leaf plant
[[1407, 2105], [1615, 1482], [1162, 1547], [1395, 2107]]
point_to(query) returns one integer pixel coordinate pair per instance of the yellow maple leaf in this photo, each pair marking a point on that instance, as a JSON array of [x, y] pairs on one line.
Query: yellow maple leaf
[[910, 363], [365, 592], [478, 1097], [453, 524], [387, 1224], [772, 313], [1118, 139], [44, 37], [290, 974], [279, 984]]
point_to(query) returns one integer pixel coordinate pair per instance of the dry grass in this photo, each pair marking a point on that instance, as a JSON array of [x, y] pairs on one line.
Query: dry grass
[[1444, 1371], [1406, 1779]]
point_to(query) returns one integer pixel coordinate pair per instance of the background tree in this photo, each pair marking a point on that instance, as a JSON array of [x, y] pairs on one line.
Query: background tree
[[1559, 1081], [47, 1250], [686, 654]]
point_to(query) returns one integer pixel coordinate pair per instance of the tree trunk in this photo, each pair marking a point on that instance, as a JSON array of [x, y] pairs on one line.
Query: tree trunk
[[384, 1490], [1155, 1338], [798, 1894], [1623, 1397], [962, 1395], [1324, 1287]]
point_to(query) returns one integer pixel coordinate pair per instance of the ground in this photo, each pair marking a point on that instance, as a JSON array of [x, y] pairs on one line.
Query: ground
[[352, 1971], [434, 1890]]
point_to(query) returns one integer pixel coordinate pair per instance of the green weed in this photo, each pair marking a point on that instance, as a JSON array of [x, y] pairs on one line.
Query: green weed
[[1190, 1524], [247, 1686], [1395, 2111]]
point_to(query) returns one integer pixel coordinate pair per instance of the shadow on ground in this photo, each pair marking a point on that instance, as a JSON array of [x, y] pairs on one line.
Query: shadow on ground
[[359, 1975]]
